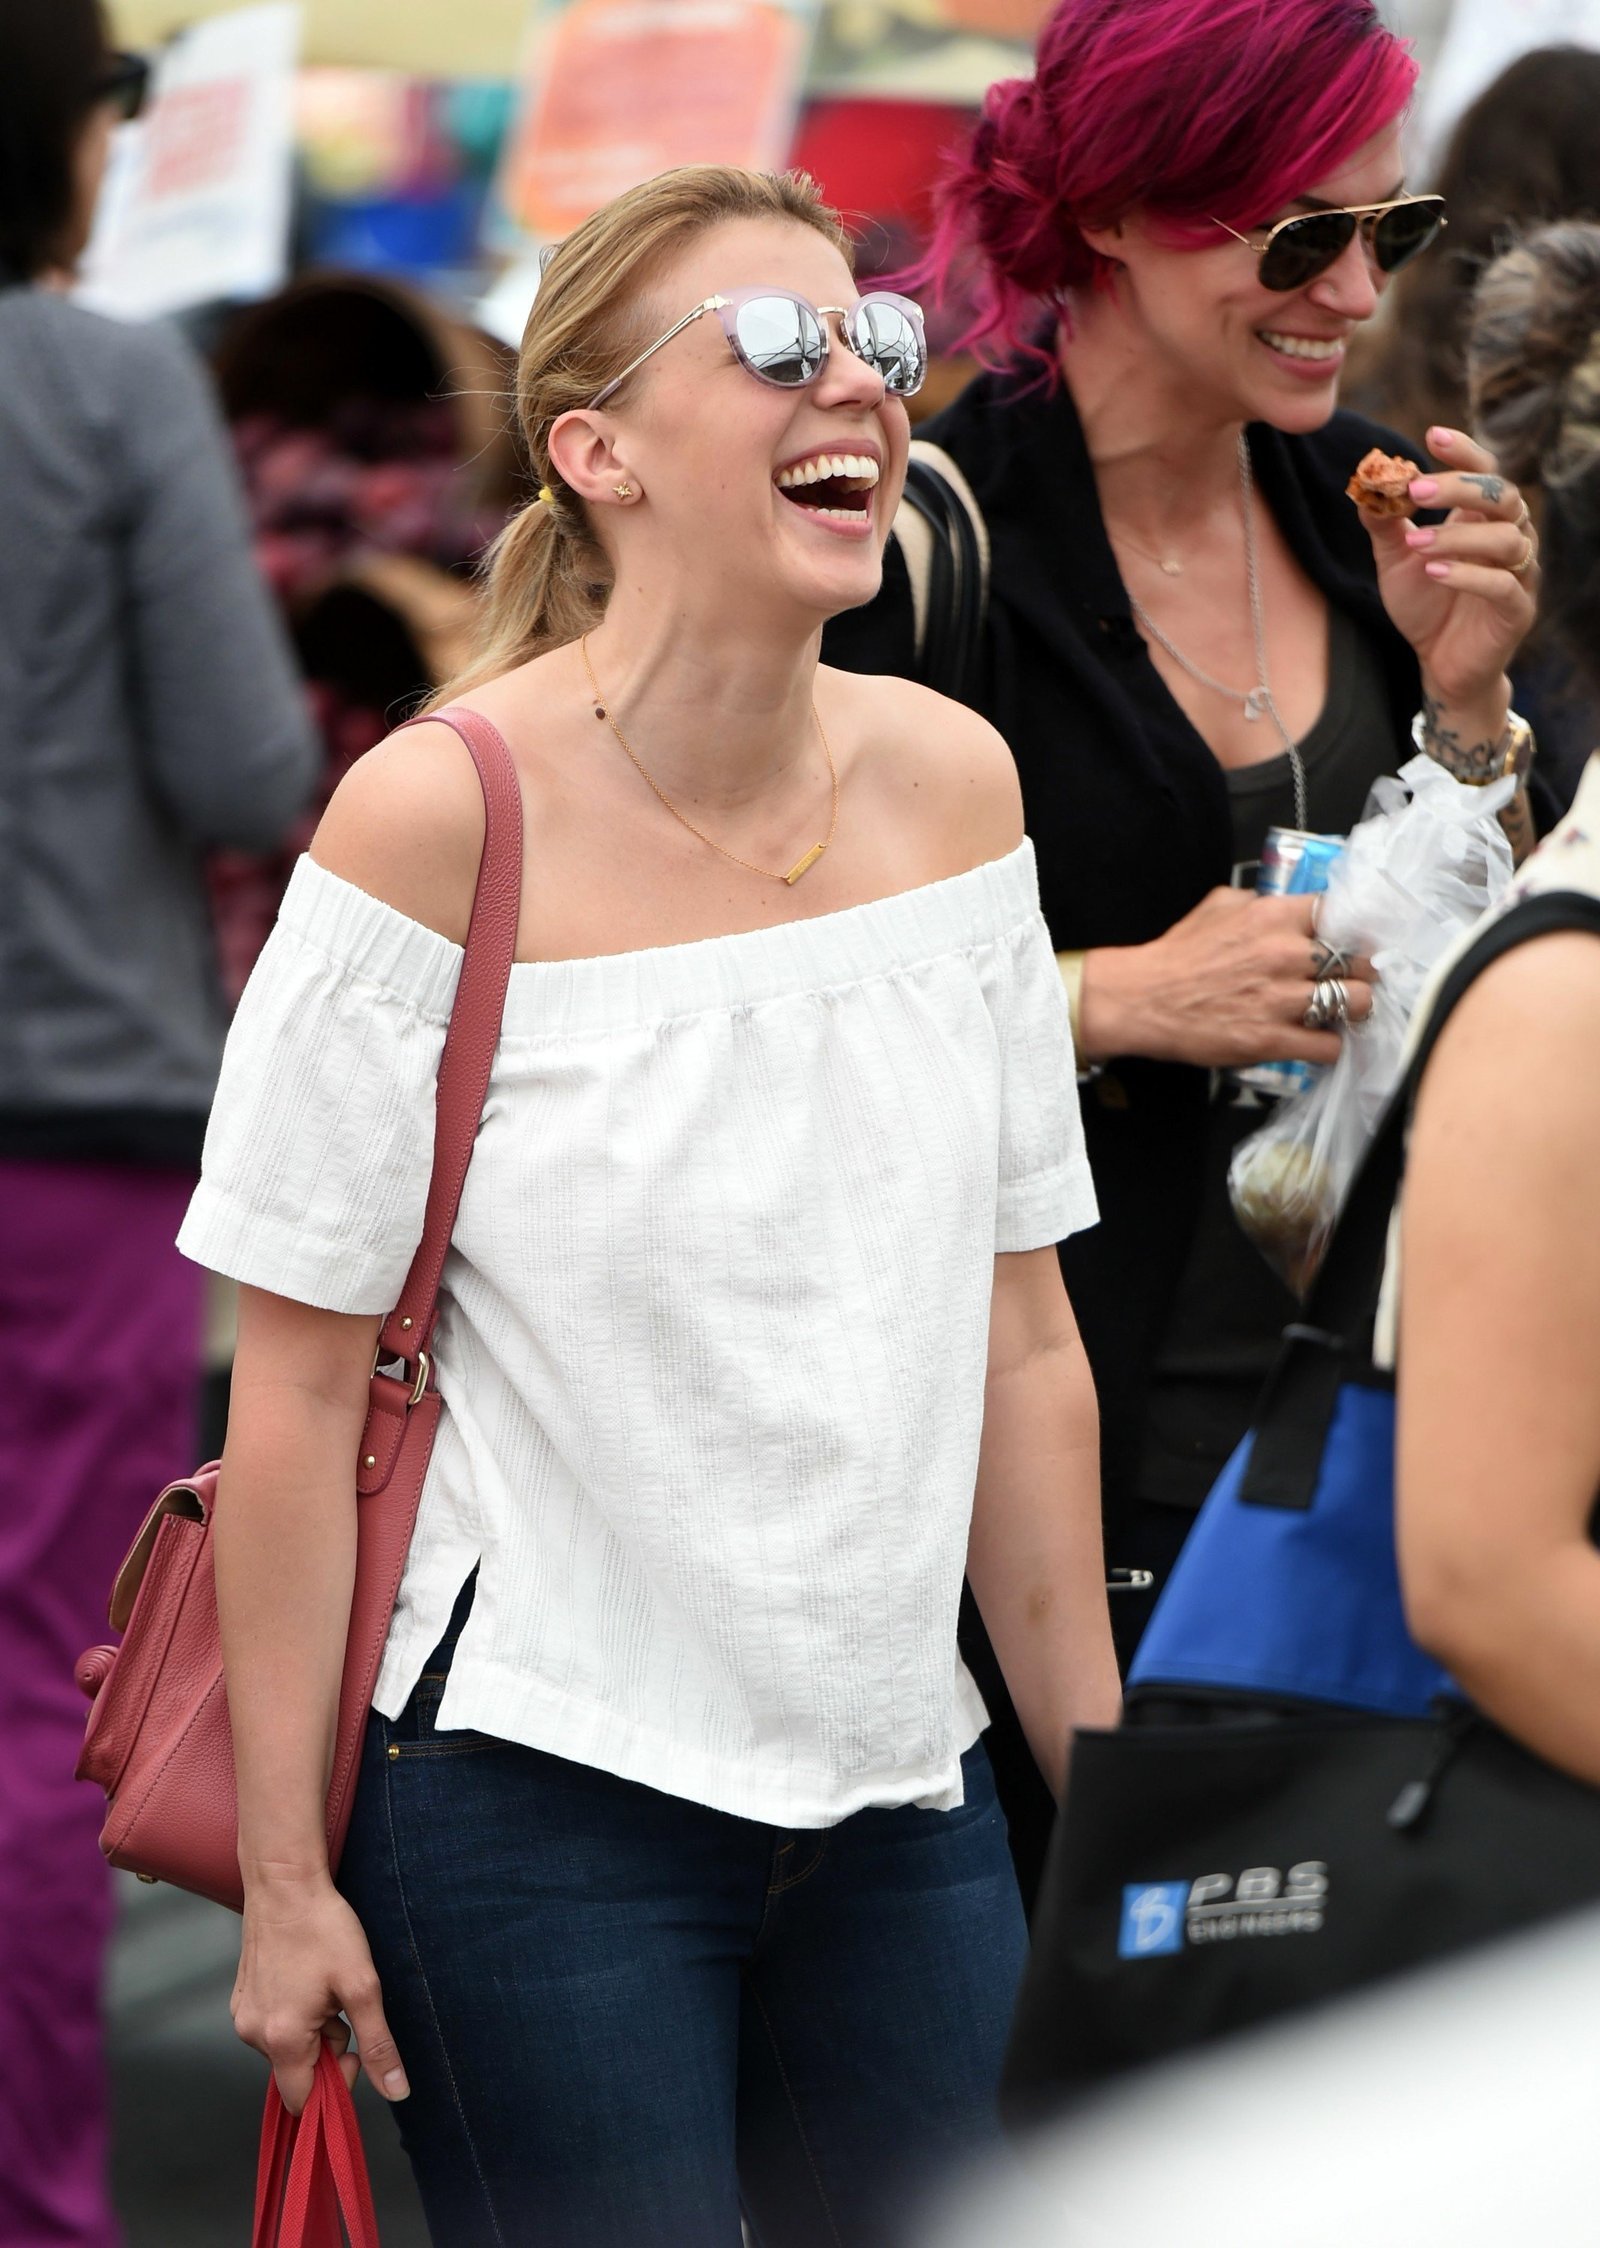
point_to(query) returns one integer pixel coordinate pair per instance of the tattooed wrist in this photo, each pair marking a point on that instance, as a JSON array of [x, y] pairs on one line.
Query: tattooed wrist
[[1464, 760]]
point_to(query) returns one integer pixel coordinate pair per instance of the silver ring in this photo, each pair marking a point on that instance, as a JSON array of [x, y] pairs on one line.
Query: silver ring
[[1329, 1007], [1327, 960]]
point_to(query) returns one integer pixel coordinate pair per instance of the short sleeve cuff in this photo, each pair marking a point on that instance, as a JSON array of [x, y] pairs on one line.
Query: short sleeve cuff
[[1036, 1212], [267, 1252]]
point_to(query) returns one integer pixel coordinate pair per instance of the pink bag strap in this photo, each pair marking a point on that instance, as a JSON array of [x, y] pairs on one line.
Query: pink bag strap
[[473, 1035], [312, 2171]]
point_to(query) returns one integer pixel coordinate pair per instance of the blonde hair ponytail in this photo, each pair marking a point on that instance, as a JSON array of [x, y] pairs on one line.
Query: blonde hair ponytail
[[547, 575], [538, 594]]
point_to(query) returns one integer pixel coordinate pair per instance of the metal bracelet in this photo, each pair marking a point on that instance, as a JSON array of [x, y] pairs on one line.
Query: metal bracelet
[[1071, 967], [1514, 752]]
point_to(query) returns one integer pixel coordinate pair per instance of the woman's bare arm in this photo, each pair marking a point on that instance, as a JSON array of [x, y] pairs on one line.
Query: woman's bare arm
[[285, 1561], [1034, 1558], [1499, 1442], [406, 825], [285, 1555]]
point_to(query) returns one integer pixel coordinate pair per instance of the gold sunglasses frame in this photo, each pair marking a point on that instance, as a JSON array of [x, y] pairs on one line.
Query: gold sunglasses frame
[[1366, 216]]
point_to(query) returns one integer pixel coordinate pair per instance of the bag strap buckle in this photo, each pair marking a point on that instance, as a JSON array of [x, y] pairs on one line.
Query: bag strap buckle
[[424, 1370]]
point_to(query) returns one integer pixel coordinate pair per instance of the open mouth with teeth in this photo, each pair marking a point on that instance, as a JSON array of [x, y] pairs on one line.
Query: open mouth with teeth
[[839, 484], [1312, 349]]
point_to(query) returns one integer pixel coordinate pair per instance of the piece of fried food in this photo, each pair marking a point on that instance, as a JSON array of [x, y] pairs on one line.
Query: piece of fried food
[[1382, 484]]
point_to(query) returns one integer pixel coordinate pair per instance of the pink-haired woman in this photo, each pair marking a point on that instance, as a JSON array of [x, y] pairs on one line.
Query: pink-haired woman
[[1173, 230]]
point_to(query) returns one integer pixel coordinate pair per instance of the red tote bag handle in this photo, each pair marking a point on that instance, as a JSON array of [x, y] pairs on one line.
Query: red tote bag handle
[[311, 2183]]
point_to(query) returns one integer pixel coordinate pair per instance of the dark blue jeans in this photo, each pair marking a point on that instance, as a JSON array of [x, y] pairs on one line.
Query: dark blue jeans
[[626, 2017]]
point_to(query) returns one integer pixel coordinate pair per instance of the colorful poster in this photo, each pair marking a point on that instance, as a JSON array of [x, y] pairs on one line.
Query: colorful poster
[[947, 51], [619, 90], [197, 202], [396, 169]]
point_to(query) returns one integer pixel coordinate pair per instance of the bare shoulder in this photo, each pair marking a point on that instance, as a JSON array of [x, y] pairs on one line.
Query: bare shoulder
[[406, 825], [939, 761], [1518, 1063], [1538, 1004]]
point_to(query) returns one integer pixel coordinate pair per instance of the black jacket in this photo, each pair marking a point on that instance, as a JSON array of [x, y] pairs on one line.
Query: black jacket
[[1127, 806]]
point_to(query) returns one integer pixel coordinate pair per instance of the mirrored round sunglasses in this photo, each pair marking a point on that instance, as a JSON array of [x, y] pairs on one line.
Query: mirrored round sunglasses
[[1292, 253], [785, 339]]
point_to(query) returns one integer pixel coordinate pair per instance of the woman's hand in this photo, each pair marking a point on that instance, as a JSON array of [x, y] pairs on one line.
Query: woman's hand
[[1226, 987], [303, 1964], [1455, 589]]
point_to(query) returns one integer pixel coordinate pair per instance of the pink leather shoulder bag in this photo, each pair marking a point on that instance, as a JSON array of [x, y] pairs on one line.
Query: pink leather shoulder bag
[[158, 1739]]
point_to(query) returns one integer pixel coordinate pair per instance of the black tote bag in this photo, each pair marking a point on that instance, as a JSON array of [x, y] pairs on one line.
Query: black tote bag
[[1279, 1864], [1223, 1869]]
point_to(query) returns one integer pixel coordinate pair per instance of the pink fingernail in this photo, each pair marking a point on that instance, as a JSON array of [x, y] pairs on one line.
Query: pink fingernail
[[1441, 436], [1419, 535], [1436, 569], [1424, 487]]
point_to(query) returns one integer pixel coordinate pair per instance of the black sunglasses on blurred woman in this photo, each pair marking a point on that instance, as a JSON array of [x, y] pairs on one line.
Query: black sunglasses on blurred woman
[[124, 82]]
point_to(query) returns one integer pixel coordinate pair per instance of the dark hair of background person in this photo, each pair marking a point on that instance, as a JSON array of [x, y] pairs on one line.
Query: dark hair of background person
[[1527, 151], [1533, 352], [52, 54]]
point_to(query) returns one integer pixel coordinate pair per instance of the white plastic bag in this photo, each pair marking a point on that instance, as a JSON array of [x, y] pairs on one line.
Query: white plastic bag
[[1426, 861]]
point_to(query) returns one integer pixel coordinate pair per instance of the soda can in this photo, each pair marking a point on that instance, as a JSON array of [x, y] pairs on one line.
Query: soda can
[[1295, 863]]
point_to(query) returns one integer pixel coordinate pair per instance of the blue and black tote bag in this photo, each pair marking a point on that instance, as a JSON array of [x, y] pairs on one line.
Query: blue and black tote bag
[[1301, 1802]]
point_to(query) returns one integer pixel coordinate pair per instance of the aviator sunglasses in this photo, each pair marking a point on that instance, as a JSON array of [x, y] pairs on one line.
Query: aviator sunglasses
[[1296, 250], [784, 339]]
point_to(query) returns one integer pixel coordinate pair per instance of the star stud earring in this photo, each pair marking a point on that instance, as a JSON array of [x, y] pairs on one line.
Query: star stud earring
[[623, 491]]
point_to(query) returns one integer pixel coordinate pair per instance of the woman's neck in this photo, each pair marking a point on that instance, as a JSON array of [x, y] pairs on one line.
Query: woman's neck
[[718, 713], [1163, 458]]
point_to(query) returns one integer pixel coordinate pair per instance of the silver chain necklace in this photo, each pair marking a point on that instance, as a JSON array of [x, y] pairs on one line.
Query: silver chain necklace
[[1252, 700]]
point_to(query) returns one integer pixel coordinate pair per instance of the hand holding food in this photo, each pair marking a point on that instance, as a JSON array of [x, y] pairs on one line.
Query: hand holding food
[[1382, 483], [1462, 591]]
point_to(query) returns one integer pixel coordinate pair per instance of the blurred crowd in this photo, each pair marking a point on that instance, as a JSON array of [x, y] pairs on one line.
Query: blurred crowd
[[226, 580]]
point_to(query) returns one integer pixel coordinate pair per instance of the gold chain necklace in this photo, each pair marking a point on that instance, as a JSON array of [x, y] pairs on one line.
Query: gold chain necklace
[[801, 865]]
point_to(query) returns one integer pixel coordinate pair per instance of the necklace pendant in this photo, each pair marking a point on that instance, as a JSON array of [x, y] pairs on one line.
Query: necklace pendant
[[1255, 702], [804, 866]]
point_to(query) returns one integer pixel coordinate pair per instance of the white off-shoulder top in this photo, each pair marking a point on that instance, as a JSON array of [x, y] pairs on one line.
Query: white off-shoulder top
[[714, 1328]]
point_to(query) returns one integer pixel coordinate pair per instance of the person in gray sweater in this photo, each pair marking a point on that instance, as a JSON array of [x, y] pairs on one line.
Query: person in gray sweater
[[149, 709]]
